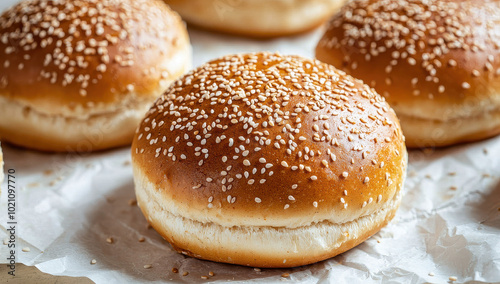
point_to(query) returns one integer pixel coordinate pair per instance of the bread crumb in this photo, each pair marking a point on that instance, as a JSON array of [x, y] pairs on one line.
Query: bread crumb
[[211, 273], [185, 273], [259, 270], [204, 277], [431, 273], [285, 275], [110, 240], [175, 270], [141, 239], [132, 202], [453, 278]]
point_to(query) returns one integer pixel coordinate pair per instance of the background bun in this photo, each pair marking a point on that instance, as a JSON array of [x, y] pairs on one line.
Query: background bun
[[268, 160], [258, 18], [436, 62], [79, 75]]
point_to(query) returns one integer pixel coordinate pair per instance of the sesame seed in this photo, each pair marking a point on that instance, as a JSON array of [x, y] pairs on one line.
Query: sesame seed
[[313, 178], [93, 261], [258, 200], [345, 174]]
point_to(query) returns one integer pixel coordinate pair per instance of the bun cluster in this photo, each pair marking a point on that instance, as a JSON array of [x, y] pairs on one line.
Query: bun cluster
[[289, 149]]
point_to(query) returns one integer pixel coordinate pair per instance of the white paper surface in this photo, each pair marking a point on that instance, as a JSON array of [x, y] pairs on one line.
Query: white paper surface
[[68, 205]]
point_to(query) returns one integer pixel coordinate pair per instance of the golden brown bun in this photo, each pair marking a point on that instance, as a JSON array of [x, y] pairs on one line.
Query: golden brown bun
[[278, 146], [85, 59], [434, 61], [256, 18]]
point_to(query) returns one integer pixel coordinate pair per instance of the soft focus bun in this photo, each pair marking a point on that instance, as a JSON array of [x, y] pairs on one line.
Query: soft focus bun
[[79, 75], [268, 160], [436, 62], [257, 18]]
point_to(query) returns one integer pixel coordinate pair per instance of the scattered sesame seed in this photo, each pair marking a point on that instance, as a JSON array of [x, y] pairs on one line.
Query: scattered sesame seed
[[148, 266], [26, 249], [93, 261]]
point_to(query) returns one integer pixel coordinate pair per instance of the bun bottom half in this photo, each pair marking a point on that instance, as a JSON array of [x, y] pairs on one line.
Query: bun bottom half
[[256, 18], [23, 126], [257, 246], [425, 133]]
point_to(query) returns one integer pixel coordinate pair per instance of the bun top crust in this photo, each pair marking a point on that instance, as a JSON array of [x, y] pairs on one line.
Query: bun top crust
[[74, 55], [269, 140], [426, 57]]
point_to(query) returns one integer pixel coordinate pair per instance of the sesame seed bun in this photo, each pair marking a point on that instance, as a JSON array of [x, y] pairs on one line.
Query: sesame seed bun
[[79, 75], [256, 18], [436, 64], [288, 156]]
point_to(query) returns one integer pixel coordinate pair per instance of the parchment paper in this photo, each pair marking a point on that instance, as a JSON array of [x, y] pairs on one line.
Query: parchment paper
[[68, 206]]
